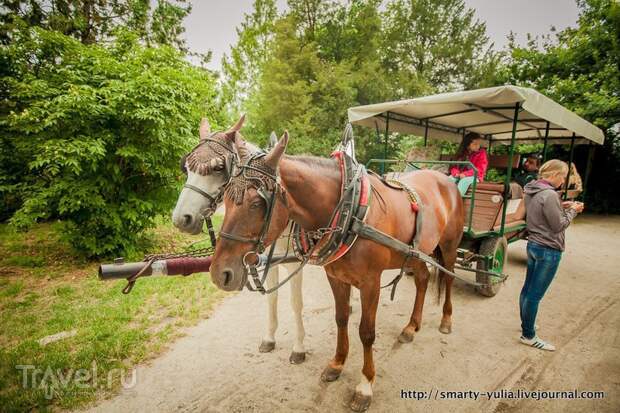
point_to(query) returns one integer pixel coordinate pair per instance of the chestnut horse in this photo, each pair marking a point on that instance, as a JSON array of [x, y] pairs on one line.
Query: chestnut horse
[[307, 190], [208, 172]]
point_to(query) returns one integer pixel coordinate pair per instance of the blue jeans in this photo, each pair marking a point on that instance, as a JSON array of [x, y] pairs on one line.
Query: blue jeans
[[463, 183], [542, 264]]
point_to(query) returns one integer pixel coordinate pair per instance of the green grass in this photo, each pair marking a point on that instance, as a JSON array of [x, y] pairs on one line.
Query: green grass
[[44, 290]]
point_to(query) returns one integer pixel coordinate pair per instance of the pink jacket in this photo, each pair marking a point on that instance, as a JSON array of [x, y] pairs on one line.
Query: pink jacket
[[480, 161]]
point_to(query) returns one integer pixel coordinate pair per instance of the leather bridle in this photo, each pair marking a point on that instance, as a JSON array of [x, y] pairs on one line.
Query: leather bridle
[[270, 200], [214, 200]]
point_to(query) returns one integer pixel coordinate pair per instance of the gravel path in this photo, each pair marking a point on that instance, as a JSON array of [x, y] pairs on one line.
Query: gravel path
[[217, 368]]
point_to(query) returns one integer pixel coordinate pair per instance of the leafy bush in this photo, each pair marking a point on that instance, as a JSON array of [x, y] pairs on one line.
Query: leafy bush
[[94, 133]]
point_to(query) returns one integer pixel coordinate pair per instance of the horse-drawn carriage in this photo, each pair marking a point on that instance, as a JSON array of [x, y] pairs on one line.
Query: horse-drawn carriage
[[505, 115], [265, 191]]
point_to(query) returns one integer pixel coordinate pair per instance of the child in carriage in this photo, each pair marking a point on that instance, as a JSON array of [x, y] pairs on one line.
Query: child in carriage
[[472, 151]]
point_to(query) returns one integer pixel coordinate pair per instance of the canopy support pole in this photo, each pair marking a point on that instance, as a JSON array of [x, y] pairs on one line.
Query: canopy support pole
[[385, 144], [570, 162], [546, 143], [591, 149], [509, 170], [426, 133]]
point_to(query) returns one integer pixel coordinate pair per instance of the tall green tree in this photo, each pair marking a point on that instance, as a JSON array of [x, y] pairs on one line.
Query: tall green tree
[[435, 45], [581, 70], [310, 79], [243, 67]]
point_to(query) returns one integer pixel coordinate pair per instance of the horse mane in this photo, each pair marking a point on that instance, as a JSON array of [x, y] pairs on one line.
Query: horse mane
[[315, 161]]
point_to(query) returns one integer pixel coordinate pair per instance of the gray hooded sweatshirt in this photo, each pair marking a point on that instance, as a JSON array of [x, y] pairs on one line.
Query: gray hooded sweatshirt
[[546, 219]]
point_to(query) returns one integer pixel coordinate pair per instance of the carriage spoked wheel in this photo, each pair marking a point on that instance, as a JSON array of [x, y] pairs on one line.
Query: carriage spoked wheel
[[497, 248]]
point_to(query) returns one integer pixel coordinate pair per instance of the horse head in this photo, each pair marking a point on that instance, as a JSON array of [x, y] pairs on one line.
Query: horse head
[[208, 168], [256, 214]]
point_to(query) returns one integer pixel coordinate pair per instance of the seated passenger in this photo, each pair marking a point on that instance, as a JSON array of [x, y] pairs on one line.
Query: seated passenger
[[574, 181], [469, 150], [528, 171], [526, 174]]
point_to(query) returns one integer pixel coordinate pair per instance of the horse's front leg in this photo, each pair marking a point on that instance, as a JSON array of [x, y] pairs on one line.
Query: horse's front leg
[[297, 304], [342, 292], [369, 294], [269, 340]]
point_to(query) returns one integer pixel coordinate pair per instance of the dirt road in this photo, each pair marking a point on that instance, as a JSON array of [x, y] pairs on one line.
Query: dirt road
[[217, 368]]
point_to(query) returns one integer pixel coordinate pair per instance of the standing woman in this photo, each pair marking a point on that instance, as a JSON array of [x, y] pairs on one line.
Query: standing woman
[[547, 219], [472, 151]]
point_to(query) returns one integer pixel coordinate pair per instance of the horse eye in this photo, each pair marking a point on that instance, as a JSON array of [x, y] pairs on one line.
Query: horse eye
[[256, 204]]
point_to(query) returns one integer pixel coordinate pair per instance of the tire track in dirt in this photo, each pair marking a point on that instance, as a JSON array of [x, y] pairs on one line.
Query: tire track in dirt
[[530, 376]]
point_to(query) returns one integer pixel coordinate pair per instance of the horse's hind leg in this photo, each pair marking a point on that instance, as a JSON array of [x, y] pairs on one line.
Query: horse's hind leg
[[297, 303], [421, 276], [342, 292], [447, 258], [269, 341]]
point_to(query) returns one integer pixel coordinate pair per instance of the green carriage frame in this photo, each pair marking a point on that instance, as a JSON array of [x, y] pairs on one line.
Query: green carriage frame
[[534, 118]]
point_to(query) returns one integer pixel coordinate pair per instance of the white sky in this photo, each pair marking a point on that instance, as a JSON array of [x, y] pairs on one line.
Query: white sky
[[212, 23]]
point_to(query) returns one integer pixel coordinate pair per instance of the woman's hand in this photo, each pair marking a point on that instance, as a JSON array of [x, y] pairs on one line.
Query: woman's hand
[[567, 204], [578, 207]]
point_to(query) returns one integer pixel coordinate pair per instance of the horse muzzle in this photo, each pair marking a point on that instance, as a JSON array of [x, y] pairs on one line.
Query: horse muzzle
[[188, 223], [229, 279]]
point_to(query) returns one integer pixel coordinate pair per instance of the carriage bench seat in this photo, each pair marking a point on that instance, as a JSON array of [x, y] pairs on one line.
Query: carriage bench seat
[[488, 204]]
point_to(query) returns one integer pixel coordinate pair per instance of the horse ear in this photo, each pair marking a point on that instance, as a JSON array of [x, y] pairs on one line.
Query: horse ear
[[204, 129], [230, 133], [240, 145], [273, 140], [273, 157]]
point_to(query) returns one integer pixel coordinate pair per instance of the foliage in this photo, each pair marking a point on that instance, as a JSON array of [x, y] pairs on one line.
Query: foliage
[[581, 71], [247, 58], [91, 21], [435, 45], [94, 133], [321, 57]]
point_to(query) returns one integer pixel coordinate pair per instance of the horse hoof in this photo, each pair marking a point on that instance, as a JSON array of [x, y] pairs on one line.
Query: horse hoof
[[405, 337], [360, 402], [445, 328], [297, 358], [267, 346], [330, 374]]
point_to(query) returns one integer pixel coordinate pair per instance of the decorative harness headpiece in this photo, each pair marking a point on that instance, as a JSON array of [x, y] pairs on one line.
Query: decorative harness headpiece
[[200, 161]]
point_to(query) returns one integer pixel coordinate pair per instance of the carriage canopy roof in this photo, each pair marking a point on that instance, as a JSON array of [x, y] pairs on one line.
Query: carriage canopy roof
[[489, 112]]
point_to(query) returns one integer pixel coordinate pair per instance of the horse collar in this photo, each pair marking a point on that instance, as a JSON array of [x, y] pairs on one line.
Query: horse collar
[[329, 244]]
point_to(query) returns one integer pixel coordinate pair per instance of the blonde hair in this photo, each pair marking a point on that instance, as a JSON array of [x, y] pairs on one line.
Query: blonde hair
[[552, 168]]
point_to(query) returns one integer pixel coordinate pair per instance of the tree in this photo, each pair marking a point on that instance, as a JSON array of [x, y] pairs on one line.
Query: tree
[[247, 58], [581, 70], [322, 57], [92, 21], [96, 132], [435, 45]]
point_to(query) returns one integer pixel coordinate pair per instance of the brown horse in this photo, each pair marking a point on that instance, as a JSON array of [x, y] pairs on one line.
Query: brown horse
[[307, 191]]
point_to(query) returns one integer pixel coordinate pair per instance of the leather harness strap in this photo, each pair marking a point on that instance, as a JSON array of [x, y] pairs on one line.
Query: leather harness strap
[[333, 242]]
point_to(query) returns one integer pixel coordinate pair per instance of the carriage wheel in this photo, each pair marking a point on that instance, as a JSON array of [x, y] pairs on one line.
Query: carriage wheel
[[497, 248]]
